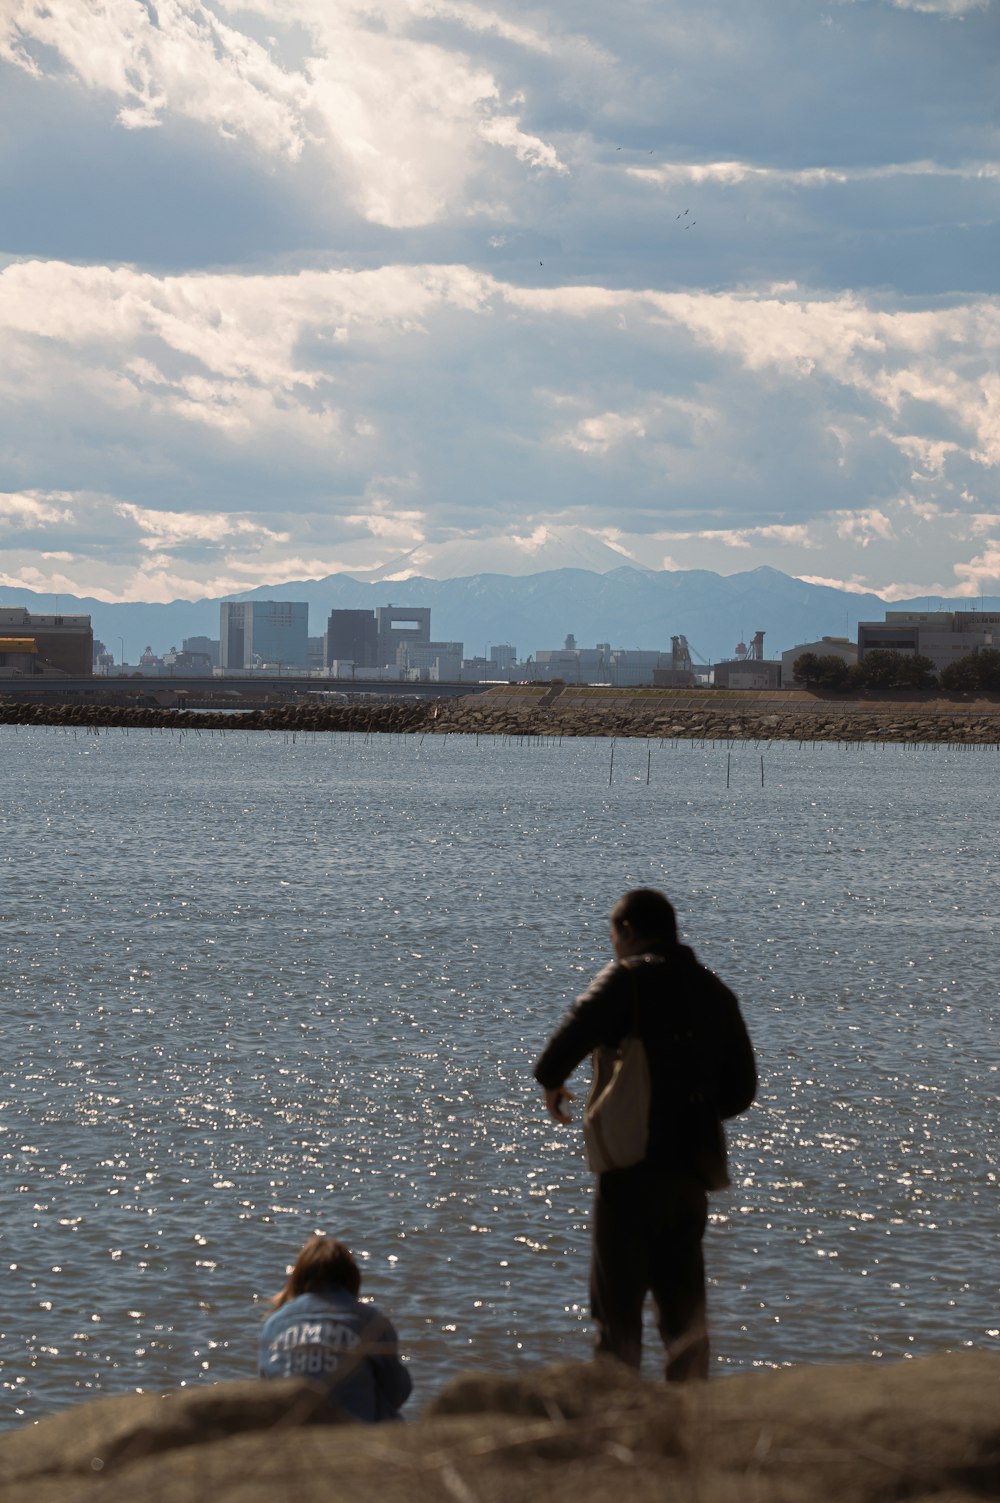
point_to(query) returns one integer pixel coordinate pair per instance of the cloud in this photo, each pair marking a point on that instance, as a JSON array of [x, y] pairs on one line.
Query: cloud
[[743, 537], [168, 529], [597, 435], [982, 573], [390, 283], [855, 585], [950, 9], [735, 172], [864, 526], [505, 130], [385, 519], [400, 120], [176, 57], [368, 398], [33, 509]]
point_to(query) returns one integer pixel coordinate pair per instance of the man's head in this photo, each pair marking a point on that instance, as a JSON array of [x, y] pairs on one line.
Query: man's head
[[642, 920]]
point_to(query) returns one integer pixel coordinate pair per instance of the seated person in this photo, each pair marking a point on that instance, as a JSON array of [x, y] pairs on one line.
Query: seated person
[[321, 1330]]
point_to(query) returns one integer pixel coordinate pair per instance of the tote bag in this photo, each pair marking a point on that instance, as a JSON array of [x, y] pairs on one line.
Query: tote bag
[[616, 1113]]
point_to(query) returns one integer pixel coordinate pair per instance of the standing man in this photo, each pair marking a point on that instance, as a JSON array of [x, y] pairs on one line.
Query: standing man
[[649, 1219]]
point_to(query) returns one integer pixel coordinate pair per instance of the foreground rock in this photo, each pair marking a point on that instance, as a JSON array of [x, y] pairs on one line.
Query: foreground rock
[[577, 1432]]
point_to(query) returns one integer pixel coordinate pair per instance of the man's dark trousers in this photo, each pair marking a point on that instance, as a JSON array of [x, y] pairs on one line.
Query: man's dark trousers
[[647, 1233]]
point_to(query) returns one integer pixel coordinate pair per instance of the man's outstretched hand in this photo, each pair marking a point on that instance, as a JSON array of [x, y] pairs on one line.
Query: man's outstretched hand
[[554, 1102]]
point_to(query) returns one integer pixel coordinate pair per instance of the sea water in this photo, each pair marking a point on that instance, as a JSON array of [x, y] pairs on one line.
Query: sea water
[[258, 985]]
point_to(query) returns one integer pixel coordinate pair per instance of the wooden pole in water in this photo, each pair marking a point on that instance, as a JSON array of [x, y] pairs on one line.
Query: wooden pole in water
[[762, 772], [729, 758], [611, 769], [649, 755]]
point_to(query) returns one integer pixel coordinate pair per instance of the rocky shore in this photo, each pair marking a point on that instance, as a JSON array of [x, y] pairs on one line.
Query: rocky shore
[[576, 1433], [521, 711]]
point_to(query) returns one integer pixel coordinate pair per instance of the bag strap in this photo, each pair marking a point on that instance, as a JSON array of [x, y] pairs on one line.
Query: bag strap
[[633, 1032]]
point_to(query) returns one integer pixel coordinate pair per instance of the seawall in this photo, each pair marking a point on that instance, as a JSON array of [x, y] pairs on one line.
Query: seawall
[[555, 710]]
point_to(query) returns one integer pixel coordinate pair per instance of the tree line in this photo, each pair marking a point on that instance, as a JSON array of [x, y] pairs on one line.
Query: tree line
[[882, 668]]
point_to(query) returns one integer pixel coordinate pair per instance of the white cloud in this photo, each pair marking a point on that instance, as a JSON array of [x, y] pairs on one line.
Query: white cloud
[[863, 527], [356, 406], [951, 9], [596, 435], [982, 573], [855, 585], [505, 130], [185, 61], [742, 537], [22, 509], [401, 529], [401, 121], [47, 581], [532, 543], [170, 529], [735, 172], [930, 454]]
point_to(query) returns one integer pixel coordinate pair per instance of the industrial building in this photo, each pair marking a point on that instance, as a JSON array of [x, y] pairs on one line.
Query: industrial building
[[680, 674], [942, 636], [749, 669], [263, 633], [826, 647], [59, 644]]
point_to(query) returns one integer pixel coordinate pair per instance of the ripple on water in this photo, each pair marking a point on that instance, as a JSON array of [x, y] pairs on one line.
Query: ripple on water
[[252, 988]]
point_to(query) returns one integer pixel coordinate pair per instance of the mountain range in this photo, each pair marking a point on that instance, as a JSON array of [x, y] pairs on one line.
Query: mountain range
[[625, 606]]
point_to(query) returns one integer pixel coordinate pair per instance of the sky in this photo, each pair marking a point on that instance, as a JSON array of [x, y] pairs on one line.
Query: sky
[[296, 287]]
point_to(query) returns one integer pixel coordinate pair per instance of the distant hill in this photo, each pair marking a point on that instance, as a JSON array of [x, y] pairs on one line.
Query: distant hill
[[624, 606]]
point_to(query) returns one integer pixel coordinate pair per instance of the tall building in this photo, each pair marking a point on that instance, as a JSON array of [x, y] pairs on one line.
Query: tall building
[[263, 633], [398, 624], [62, 644], [352, 637]]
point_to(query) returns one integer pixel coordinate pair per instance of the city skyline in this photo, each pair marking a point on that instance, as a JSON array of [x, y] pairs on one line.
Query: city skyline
[[422, 287]]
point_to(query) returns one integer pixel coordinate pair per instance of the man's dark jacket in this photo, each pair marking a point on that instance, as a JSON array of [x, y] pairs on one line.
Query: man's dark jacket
[[701, 1062]]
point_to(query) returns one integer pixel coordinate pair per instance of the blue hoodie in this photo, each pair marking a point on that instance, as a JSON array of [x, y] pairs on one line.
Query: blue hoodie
[[334, 1339]]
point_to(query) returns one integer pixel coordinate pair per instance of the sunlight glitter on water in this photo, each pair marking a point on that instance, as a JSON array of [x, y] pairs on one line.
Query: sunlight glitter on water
[[253, 988]]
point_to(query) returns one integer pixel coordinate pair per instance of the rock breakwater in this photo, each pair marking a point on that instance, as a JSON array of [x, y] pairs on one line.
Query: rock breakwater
[[547, 711]]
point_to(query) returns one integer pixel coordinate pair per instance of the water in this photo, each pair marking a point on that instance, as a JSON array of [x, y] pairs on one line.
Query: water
[[258, 985]]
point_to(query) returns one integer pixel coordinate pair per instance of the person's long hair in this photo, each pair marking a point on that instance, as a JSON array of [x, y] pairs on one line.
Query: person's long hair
[[323, 1263]]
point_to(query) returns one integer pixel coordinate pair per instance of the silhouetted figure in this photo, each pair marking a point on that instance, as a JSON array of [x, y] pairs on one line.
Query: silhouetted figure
[[649, 1218]]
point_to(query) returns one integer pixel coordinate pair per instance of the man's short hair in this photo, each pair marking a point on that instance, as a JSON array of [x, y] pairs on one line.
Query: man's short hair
[[648, 914]]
